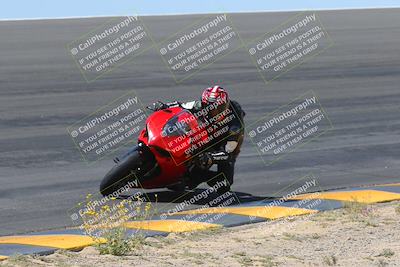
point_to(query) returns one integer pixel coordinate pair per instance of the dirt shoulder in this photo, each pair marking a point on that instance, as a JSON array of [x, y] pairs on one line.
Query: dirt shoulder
[[358, 235]]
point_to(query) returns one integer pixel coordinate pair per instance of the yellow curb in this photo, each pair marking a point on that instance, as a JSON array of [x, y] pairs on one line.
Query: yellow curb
[[362, 196], [175, 226], [267, 212], [54, 241], [395, 184]]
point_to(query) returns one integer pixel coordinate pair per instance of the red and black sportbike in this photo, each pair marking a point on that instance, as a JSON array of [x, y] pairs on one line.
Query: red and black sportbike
[[168, 148]]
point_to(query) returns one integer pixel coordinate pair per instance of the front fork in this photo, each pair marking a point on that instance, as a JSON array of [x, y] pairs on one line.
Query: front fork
[[148, 164]]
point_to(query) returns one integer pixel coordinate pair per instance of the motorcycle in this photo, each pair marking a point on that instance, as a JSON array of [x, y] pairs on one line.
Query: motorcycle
[[168, 147]]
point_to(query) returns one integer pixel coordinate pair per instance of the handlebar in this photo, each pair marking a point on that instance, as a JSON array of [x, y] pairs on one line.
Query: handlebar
[[156, 106]]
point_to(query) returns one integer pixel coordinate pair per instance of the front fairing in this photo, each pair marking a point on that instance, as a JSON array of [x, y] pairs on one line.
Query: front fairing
[[175, 131]]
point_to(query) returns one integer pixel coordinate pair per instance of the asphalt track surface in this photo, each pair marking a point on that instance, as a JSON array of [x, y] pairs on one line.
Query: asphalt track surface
[[42, 92]]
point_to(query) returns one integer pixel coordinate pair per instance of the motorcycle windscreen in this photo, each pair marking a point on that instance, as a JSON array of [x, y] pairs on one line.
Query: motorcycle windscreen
[[183, 136]]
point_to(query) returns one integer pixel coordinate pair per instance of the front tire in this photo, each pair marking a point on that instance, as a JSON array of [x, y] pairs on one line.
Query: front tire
[[179, 187], [121, 174]]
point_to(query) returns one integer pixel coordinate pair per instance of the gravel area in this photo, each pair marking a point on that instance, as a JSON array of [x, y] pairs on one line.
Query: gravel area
[[358, 235]]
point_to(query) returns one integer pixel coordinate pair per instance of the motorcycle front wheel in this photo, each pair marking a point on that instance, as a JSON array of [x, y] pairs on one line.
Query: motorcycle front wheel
[[121, 174]]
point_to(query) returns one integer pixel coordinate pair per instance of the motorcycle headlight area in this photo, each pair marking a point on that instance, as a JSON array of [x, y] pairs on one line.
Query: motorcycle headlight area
[[175, 128]]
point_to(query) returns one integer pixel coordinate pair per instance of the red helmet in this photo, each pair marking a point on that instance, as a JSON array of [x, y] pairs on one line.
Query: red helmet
[[216, 99]]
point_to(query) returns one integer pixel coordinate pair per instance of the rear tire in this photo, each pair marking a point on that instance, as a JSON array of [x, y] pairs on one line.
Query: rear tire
[[121, 174]]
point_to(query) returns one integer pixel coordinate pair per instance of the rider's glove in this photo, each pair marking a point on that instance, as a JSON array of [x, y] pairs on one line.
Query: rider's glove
[[160, 105], [205, 160]]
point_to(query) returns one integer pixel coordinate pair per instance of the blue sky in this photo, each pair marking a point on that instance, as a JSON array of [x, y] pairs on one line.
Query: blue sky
[[17, 9]]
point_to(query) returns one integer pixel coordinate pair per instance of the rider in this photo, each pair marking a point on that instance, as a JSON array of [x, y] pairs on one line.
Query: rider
[[224, 149]]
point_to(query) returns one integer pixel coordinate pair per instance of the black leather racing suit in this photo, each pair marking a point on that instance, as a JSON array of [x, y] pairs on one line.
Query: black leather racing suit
[[223, 150]]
